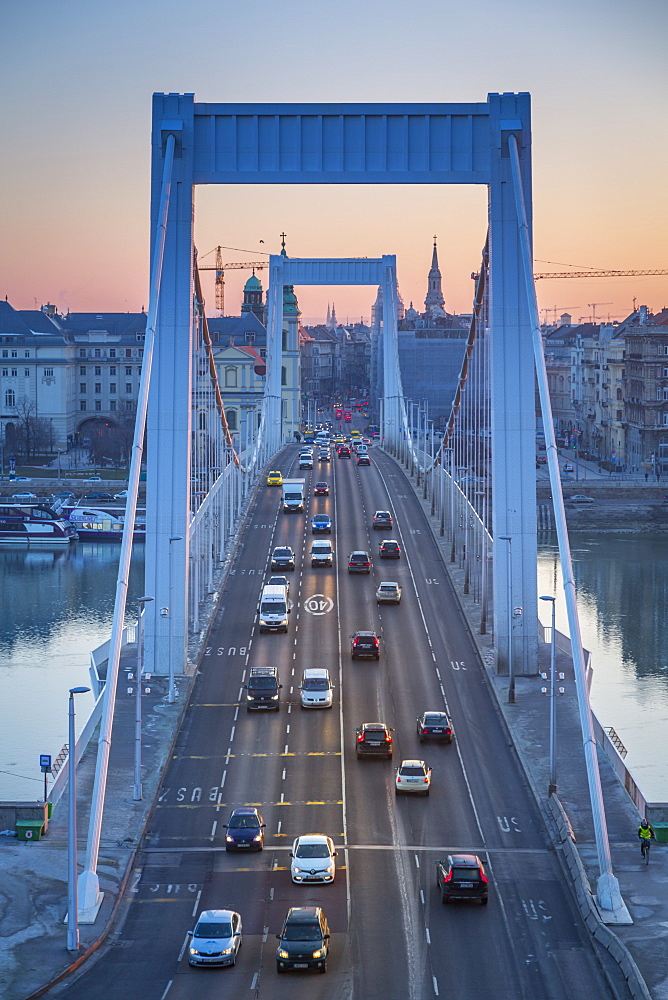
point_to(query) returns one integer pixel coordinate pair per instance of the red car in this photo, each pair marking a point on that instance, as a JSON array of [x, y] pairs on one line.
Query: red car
[[321, 490], [344, 451]]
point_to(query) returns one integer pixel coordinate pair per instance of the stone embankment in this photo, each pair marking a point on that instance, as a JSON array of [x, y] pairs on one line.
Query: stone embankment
[[617, 506]]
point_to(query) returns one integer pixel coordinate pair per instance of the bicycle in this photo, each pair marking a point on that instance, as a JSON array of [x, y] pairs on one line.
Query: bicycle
[[644, 848]]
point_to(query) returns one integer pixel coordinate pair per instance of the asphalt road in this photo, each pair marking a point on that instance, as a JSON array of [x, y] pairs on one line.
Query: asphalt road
[[391, 936]]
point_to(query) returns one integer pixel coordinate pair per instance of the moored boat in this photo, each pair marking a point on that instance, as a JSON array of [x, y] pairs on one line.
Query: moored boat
[[34, 525], [93, 522]]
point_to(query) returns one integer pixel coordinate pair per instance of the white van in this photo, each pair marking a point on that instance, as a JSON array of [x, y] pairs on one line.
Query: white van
[[322, 553], [274, 609], [316, 688]]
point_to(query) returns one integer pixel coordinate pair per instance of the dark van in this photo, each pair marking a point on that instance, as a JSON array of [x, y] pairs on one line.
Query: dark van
[[263, 689]]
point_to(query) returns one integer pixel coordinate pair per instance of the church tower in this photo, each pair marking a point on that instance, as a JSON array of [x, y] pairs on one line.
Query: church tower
[[434, 303], [252, 302]]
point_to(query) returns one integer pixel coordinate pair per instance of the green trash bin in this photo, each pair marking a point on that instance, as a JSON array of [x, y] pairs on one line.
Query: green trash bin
[[29, 829], [661, 832]]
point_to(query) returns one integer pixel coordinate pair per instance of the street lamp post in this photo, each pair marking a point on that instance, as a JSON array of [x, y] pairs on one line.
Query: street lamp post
[[140, 677], [72, 893], [552, 787], [509, 585], [483, 562], [171, 697]]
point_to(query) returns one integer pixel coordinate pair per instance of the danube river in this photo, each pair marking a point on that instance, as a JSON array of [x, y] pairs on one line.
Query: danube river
[[57, 606]]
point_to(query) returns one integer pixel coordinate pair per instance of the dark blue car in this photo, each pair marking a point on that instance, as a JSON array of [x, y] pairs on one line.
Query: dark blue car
[[245, 830]]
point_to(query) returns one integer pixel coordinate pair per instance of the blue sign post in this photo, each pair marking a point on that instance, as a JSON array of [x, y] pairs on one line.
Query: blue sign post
[[45, 764]]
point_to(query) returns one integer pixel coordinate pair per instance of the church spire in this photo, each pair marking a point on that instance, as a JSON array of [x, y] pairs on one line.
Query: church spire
[[328, 315], [434, 303]]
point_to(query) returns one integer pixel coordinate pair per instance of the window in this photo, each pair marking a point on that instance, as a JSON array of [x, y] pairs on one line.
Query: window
[[128, 388], [250, 337], [283, 375], [15, 372], [284, 340], [263, 352], [128, 404], [619, 416], [15, 354], [5, 353], [665, 392], [140, 352], [230, 378], [231, 416], [665, 372], [26, 354], [665, 420], [128, 369], [98, 387], [98, 352], [5, 372], [98, 404], [128, 352], [112, 387], [82, 369], [659, 393], [82, 388], [112, 352], [82, 352], [138, 371], [48, 373], [10, 398], [98, 369], [82, 404], [112, 370], [112, 404], [26, 372]]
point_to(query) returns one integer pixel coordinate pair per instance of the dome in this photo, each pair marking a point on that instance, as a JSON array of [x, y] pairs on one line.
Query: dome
[[290, 304], [253, 284]]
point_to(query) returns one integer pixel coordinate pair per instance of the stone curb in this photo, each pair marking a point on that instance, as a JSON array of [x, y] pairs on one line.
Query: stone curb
[[566, 849]]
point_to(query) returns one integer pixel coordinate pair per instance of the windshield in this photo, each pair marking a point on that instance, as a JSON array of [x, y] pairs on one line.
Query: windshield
[[211, 930], [264, 683], [302, 932], [273, 608], [282, 552], [315, 684], [312, 851], [243, 823], [433, 719]]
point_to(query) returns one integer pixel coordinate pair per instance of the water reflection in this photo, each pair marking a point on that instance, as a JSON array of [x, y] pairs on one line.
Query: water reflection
[[622, 590], [56, 607]]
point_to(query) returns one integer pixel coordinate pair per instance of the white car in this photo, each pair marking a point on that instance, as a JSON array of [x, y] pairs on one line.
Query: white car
[[93, 479], [312, 858], [216, 938], [389, 592], [412, 776], [123, 495], [24, 496], [316, 688]]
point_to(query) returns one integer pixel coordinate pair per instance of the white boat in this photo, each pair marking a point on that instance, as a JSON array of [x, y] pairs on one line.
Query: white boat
[[93, 522], [33, 524]]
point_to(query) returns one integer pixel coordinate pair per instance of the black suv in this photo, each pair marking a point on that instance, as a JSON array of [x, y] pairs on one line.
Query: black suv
[[374, 739], [283, 557], [434, 726], [263, 689], [365, 644], [382, 519], [359, 562], [304, 940], [389, 548], [462, 876]]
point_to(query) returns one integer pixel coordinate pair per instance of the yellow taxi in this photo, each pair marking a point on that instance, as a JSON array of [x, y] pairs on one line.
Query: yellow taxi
[[355, 434], [339, 439], [275, 479]]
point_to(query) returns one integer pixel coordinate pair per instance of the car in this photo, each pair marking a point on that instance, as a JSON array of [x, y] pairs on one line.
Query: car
[[123, 495], [321, 490], [434, 726], [344, 451], [20, 479], [359, 561], [303, 942], [274, 478], [24, 496], [244, 830], [98, 496], [263, 690], [580, 498], [279, 581], [382, 519], [93, 479], [316, 688], [363, 459], [462, 876], [541, 460], [389, 548], [64, 495], [312, 858], [324, 456], [305, 461], [374, 739], [389, 592], [568, 467], [364, 644], [216, 939], [321, 525], [412, 776], [283, 557]]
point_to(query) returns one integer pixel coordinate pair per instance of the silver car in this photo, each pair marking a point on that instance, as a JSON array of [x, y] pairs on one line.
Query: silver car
[[216, 939], [389, 592]]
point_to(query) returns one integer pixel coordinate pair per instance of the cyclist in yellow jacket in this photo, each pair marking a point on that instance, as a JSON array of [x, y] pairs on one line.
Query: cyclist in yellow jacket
[[645, 832]]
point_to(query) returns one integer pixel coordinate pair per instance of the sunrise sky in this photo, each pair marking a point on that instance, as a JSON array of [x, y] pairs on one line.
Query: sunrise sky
[[77, 80]]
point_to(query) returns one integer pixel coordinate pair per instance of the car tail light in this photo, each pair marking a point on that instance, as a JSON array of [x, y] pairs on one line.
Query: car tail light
[[448, 731], [360, 738], [424, 730], [448, 877], [388, 738], [399, 778], [483, 878], [425, 780]]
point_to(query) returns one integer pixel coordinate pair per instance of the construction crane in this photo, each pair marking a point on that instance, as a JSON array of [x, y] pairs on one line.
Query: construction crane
[[220, 269], [555, 309], [592, 306], [596, 274]]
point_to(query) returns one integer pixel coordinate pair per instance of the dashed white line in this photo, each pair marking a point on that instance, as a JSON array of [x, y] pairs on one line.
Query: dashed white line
[[241, 691], [232, 733], [254, 982], [184, 945], [197, 899], [287, 729], [282, 796], [265, 935], [166, 989], [286, 748], [222, 780], [422, 896], [271, 894], [417, 861], [283, 778], [236, 713], [213, 828], [426, 930], [280, 824], [435, 982]]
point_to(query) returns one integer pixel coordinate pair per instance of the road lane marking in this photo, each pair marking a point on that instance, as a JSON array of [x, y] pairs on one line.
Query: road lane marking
[[435, 982], [417, 861], [422, 896], [199, 893], [213, 828], [166, 989], [184, 945], [232, 733], [254, 982]]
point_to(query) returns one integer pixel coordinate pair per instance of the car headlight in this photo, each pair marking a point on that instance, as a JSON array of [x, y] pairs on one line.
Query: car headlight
[[319, 953], [229, 839], [194, 951], [283, 954], [258, 836], [297, 871], [330, 868], [227, 951], [249, 697], [274, 697]]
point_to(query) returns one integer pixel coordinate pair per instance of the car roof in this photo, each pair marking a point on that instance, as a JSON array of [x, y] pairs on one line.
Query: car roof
[[388, 583], [413, 763], [245, 811], [263, 671], [389, 541], [303, 914], [374, 725], [361, 632], [313, 838], [439, 712], [217, 915], [316, 672], [322, 517], [385, 513], [359, 552], [465, 860]]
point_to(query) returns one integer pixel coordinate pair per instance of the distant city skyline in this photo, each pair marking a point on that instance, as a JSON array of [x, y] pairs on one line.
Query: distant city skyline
[[74, 177]]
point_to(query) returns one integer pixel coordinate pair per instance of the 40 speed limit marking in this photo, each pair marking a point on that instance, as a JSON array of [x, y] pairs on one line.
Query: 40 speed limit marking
[[318, 604]]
